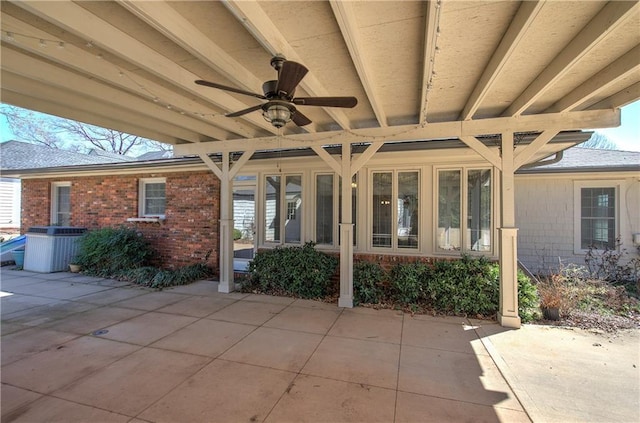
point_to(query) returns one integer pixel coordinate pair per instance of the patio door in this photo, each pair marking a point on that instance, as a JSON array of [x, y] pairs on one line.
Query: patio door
[[244, 226]]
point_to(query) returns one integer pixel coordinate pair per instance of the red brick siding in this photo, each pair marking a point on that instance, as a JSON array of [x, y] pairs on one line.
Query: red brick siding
[[189, 232], [35, 207]]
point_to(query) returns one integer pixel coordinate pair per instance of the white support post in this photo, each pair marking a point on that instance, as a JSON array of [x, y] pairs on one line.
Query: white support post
[[508, 313], [346, 232], [226, 284]]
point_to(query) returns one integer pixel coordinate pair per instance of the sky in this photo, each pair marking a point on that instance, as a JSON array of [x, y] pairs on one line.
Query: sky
[[626, 136]]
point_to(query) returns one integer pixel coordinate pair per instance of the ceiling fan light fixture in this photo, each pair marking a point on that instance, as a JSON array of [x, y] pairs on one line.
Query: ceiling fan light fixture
[[277, 114]]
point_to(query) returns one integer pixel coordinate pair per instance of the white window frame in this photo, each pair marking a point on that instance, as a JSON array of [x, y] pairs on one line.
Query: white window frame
[[577, 208], [335, 189], [337, 212], [142, 200], [54, 199], [284, 208], [394, 211], [464, 192]]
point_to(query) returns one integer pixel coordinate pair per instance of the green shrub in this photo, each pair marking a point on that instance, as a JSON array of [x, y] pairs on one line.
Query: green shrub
[[109, 251], [408, 282], [466, 286], [154, 277], [527, 298], [300, 271], [368, 279], [237, 234]]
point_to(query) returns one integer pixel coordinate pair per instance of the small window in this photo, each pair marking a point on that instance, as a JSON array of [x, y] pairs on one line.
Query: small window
[[464, 210], [61, 203], [324, 209], [329, 211], [152, 197], [283, 209], [395, 209], [597, 217]]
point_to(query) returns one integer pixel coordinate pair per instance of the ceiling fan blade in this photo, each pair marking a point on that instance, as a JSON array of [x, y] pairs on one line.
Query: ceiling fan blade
[[224, 87], [347, 102], [244, 112], [290, 76], [300, 119]]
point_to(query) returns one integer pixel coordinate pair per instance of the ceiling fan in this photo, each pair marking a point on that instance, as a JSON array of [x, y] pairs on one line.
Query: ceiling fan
[[280, 107]]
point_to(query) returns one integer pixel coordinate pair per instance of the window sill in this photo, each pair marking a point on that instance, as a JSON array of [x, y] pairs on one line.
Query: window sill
[[146, 219]]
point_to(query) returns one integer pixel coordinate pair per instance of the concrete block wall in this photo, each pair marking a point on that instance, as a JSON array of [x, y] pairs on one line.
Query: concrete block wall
[[191, 228]]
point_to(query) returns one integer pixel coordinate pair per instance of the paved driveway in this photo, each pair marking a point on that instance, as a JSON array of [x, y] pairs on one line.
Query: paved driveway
[[76, 348]]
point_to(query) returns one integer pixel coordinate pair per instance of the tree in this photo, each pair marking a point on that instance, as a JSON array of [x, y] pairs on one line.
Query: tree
[[65, 134], [599, 141]]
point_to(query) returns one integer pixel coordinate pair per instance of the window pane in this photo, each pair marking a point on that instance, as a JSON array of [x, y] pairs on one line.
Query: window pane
[[272, 209], [449, 210], [292, 233], [382, 212], [479, 210], [324, 209], [244, 212], [63, 212], [598, 224], [154, 198], [408, 209]]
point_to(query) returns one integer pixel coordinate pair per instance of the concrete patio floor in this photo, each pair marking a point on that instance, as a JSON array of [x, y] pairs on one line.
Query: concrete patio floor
[[80, 349]]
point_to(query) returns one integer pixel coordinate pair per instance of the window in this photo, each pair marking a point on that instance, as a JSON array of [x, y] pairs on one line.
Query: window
[[478, 210], [61, 203], [395, 209], [328, 213], [598, 211], [283, 190], [474, 196], [152, 197], [325, 217]]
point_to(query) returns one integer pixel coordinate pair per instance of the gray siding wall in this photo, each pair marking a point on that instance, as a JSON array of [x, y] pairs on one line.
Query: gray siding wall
[[546, 220]]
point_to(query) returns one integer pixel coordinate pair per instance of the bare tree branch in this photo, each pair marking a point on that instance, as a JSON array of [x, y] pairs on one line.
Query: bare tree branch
[[599, 141], [67, 134]]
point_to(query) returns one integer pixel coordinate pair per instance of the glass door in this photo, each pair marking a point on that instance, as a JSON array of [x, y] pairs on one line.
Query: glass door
[[244, 226]]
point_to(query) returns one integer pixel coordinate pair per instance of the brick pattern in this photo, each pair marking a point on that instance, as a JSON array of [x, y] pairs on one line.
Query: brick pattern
[[191, 228]]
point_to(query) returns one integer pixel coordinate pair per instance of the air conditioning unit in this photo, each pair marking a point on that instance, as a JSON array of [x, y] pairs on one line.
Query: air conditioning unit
[[50, 249]]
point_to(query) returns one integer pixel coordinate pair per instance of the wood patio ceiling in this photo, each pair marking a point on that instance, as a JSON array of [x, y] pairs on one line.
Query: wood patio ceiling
[[131, 65]]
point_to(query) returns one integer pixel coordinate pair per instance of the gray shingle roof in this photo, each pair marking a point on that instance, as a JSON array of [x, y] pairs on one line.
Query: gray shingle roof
[[23, 155], [578, 159], [156, 155]]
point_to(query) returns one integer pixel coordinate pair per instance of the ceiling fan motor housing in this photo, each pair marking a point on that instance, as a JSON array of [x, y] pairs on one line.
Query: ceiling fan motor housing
[[269, 88]]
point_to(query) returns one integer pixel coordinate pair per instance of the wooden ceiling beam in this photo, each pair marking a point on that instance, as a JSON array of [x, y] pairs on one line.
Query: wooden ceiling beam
[[407, 133], [55, 108], [167, 21], [90, 27], [619, 99], [72, 57], [625, 66], [50, 74], [610, 17], [520, 25], [429, 56], [347, 21], [259, 25], [62, 94]]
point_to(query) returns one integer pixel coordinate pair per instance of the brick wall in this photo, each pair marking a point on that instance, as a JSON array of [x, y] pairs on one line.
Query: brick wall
[[189, 232]]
